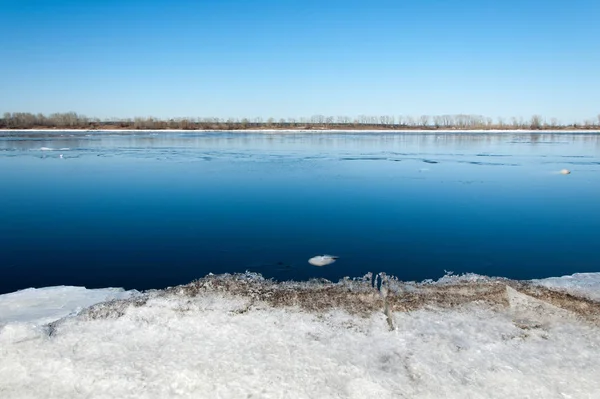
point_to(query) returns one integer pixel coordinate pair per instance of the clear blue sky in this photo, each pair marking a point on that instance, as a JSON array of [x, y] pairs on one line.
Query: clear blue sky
[[282, 58]]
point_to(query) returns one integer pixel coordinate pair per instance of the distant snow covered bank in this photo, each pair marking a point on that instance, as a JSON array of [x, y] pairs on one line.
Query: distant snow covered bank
[[243, 336]]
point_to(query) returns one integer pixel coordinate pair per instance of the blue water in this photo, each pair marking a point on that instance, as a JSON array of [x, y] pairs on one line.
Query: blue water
[[154, 210]]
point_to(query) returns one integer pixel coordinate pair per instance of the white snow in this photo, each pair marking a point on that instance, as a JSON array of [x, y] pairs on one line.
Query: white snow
[[582, 284], [322, 260], [217, 345], [45, 305]]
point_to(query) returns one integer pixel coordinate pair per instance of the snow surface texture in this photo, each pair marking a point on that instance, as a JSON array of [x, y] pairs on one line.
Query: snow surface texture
[[583, 284], [241, 336], [45, 305]]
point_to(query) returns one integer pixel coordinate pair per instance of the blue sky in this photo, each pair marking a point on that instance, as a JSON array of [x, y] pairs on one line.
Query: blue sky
[[234, 58]]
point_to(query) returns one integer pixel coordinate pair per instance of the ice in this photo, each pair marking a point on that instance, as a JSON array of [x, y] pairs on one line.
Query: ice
[[584, 284], [243, 336], [45, 305]]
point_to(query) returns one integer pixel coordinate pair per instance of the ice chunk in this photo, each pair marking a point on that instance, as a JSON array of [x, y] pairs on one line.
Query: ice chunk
[[322, 260], [45, 305], [582, 284]]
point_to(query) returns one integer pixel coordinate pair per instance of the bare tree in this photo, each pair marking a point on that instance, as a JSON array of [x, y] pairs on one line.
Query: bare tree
[[536, 122], [515, 122], [501, 122], [184, 124], [25, 120], [448, 121], [317, 119]]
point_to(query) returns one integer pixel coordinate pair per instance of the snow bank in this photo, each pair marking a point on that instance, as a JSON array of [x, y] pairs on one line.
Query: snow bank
[[583, 284], [242, 336], [44, 305]]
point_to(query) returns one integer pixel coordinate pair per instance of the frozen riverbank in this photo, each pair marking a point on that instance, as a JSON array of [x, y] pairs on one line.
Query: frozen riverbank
[[235, 336]]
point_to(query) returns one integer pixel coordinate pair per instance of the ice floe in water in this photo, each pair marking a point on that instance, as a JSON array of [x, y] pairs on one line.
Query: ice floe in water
[[322, 260], [244, 336]]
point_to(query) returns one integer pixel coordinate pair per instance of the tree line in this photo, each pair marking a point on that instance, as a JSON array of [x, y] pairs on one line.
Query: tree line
[[72, 120]]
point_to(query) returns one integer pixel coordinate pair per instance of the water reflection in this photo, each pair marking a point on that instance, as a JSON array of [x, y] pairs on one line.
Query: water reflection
[[438, 142]]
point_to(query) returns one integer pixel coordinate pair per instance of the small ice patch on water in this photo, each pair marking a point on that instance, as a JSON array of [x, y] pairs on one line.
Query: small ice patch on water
[[322, 260], [488, 163]]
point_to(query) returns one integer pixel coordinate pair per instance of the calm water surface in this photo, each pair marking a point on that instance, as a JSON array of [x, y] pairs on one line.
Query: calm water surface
[[159, 209]]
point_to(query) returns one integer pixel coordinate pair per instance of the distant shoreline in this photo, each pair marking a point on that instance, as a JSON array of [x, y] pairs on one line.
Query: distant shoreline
[[316, 131], [315, 123]]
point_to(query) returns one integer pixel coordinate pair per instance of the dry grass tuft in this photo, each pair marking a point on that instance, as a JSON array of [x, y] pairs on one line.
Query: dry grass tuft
[[358, 296]]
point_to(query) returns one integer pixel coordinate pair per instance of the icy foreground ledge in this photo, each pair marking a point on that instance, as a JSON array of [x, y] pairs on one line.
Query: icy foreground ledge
[[241, 336], [45, 305]]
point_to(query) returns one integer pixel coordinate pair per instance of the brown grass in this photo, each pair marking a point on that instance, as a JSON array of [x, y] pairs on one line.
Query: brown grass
[[358, 297]]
